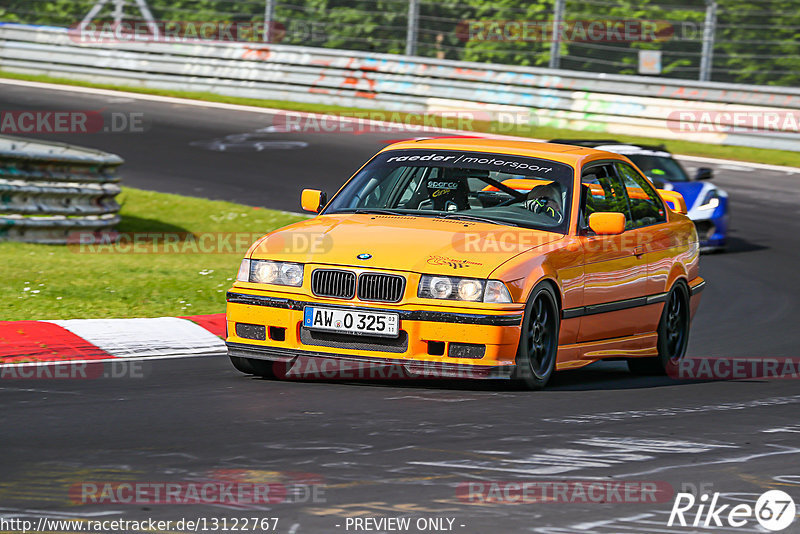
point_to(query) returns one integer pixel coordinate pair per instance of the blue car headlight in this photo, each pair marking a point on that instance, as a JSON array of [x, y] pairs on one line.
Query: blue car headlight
[[711, 201]]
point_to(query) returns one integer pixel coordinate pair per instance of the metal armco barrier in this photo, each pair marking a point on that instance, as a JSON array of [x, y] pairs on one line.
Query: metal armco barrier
[[613, 104], [48, 190]]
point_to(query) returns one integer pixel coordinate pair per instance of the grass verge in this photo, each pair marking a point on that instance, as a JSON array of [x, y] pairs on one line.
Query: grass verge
[[757, 155], [74, 282]]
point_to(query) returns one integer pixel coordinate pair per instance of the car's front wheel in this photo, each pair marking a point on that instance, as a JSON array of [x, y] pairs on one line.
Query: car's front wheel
[[266, 368], [538, 342], [673, 335], [252, 366], [242, 365]]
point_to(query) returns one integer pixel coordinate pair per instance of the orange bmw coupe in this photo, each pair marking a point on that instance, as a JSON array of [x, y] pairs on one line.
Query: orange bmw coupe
[[477, 258]]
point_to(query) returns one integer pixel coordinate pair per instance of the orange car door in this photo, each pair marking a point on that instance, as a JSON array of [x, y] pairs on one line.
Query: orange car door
[[649, 219], [615, 267]]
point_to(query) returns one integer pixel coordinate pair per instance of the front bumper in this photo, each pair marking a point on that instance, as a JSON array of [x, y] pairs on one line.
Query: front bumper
[[431, 340], [312, 364], [712, 229]]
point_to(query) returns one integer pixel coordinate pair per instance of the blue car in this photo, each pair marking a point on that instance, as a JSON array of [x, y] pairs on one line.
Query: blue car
[[707, 204]]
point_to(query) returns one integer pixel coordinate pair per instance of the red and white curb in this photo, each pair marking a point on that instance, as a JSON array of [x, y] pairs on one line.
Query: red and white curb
[[26, 342]]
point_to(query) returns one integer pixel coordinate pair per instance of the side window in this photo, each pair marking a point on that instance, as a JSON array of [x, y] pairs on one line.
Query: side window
[[647, 208], [605, 192]]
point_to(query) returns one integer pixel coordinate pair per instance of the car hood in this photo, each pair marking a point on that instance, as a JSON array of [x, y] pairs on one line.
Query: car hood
[[415, 244]]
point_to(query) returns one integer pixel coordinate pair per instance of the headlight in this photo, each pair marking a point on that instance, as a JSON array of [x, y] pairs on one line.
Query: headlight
[[465, 289], [496, 291], [439, 287], [264, 272], [711, 201], [470, 289], [271, 272], [244, 271], [292, 274]]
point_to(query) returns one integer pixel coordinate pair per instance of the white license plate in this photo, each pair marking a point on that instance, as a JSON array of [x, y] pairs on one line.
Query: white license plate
[[357, 322]]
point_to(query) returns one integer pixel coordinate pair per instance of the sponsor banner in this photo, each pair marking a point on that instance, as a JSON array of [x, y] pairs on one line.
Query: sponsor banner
[[519, 165]]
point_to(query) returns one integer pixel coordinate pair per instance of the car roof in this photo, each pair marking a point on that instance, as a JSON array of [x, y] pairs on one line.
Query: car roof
[[618, 147], [630, 150], [564, 153]]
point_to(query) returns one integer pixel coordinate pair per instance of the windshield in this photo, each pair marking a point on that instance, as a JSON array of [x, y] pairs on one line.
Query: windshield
[[660, 169], [494, 188]]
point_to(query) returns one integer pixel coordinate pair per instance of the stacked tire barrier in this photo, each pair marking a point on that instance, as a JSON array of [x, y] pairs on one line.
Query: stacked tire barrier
[[49, 191], [612, 104]]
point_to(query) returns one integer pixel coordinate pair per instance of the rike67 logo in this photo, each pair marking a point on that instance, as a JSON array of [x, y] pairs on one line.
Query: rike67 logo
[[775, 511]]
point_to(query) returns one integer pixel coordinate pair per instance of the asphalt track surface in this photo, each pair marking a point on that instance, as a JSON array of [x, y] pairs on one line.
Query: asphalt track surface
[[401, 448]]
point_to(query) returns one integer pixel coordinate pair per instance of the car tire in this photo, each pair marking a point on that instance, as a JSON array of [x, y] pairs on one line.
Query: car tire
[[242, 365], [265, 368], [538, 341], [673, 335]]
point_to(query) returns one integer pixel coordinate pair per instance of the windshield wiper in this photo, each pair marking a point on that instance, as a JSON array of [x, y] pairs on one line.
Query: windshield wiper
[[377, 211], [464, 217]]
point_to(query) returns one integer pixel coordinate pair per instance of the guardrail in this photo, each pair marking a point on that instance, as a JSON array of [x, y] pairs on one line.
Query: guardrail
[[614, 104], [49, 190]]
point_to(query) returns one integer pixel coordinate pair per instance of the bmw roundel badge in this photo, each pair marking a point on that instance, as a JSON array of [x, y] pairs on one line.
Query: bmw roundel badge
[[364, 256]]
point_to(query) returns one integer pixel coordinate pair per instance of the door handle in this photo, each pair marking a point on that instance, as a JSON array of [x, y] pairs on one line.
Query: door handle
[[639, 251]]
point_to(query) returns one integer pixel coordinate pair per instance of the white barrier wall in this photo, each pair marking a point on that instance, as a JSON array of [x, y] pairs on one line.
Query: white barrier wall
[[634, 105]]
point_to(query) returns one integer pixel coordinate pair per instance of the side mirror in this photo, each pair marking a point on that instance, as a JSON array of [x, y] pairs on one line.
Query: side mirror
[[313, 200], [704, 173], [674, 200], [607, 223]]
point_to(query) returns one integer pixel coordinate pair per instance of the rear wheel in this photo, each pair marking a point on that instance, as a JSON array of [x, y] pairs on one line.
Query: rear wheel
[[538, 342], [673, 335]]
